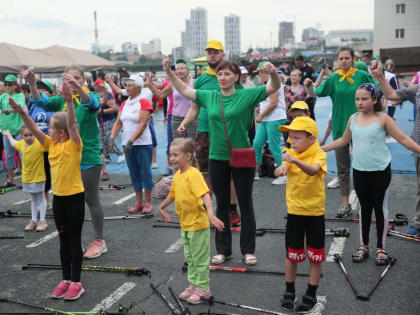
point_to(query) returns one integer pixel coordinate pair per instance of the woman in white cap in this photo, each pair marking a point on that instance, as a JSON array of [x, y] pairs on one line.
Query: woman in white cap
[[133, 117]]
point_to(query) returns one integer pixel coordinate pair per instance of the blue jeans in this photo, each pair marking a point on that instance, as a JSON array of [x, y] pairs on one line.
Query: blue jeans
[[169, 132], [9, 151], [268, 130], [153, 133], [139, 163]]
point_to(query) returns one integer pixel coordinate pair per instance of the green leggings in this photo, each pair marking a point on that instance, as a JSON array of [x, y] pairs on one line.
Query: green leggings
[[197, 255], [268, 130]]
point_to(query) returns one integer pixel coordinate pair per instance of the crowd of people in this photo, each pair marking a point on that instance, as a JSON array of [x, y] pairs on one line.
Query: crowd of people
[[218, 126]]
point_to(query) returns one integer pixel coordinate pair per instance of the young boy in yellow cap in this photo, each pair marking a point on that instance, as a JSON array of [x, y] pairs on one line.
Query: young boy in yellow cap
[[305, 165], [298, 108]]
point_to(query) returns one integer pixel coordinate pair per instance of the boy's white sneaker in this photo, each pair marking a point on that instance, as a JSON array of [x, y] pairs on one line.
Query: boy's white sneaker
[[281, 180]]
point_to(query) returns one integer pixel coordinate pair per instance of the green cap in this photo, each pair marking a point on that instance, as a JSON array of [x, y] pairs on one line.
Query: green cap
[[262, 63], [10, 78], [361, 65], [180, 61], [45, 84]]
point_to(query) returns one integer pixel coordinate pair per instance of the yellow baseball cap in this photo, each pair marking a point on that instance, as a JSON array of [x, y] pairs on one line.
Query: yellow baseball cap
[[214, 44], [302, 123], [298, 105]]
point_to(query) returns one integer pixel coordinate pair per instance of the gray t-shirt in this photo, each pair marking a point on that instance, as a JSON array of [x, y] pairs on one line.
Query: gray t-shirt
[[412, 94]]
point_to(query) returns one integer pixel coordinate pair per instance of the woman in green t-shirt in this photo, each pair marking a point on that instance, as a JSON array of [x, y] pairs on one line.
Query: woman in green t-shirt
[[341, 86], [237, 106]]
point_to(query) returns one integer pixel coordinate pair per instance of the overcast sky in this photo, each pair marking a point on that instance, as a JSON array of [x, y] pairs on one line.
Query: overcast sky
[[41, 23]]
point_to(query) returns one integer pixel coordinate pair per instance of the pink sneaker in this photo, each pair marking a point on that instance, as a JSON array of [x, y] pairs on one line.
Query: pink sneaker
[[198, 295], [74, 292], [60, 290], [96, 249], [135, 208], [187, 293], [147, 208]]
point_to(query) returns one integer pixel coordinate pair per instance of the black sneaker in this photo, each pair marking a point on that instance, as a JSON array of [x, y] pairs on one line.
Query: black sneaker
[[289, 301], [307, 305]]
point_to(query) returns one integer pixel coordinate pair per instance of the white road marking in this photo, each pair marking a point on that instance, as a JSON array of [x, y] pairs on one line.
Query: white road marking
[[320, 306], [174, 247], [21, 202], [120, 201], [336, 247], [114, 297], [43, 240]]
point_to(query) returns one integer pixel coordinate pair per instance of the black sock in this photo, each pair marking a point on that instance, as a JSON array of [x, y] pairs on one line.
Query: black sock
[[290, 287], [311, 290], [233, 207]]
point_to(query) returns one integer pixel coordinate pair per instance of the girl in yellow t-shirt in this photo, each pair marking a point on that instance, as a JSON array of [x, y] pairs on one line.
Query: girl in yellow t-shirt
[[33, 175], [192, 198], [64, 148]]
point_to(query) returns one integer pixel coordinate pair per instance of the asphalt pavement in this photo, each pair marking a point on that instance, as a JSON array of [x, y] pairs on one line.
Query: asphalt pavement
[[136, 243]]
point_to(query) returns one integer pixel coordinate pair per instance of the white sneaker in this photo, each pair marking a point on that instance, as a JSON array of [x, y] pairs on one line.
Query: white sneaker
[[121, 158], [154, 165], [334, 183], [257, 177], [280, 180]]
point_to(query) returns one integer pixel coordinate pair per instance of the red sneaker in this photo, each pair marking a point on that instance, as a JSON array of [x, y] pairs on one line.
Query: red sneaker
[[60, 290], [234, 218], [104, 176], [135, 208], [147, 208], [74, 291]]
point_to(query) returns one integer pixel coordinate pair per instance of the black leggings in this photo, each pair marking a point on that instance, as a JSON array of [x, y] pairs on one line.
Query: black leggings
[[243, 178], [372, 190], [69, 214]]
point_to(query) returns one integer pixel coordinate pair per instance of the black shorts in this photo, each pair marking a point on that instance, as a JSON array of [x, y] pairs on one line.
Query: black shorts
[[314, 228], [201, 148]]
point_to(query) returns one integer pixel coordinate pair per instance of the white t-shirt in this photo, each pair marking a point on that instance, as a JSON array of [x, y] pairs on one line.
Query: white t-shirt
[[279, 112], [130, 118]]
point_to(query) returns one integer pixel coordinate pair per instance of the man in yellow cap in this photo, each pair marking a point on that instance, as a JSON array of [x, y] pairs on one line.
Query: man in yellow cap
[[207, 81], [305, 165]]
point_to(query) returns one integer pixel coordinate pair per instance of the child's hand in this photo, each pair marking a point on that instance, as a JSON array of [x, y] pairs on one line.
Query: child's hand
[[6, 133], [289, 158], [16, 108], [281, 170], [219, 225], [165, 216], [66, 91]]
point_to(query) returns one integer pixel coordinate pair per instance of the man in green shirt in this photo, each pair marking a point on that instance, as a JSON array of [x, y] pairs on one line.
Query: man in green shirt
[[208, 81]]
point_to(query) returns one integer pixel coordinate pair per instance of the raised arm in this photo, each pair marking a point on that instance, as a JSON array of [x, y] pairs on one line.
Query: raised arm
[[112, 84], [392, 128], [274, 84], [84, 96], [30, 79], [160, 93], [71, 118], [27, 120], [345, 139], [181, 87], [378, 74]]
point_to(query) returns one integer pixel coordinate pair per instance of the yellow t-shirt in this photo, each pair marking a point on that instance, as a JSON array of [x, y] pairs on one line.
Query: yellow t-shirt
[[32, 161], [305, 194], [64, 158], [187, 189]]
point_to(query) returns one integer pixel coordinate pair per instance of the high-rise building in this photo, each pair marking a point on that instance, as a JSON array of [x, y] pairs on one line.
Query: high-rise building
[[178, 53], [396, 24], [286, 35], [195, 37], [129, 48], [232, 35], [152, 47], [338, 38]]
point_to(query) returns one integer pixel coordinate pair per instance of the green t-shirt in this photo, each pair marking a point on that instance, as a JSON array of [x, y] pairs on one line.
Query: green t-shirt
[[237, 109], [343, 96], [12, 122], [87, 121], [207, 82]]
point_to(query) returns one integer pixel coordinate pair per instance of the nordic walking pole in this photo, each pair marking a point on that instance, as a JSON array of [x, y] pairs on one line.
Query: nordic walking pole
[[337, 259], [128, 270], [363, 297], [11, 236], [13, 214], [126, 217], [184, 311], [255, 309], [404, 235], [173, 309]]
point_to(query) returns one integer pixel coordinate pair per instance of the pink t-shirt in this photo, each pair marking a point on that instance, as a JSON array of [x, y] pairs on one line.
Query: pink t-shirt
[[130, 118], [171, 97], [416, 78], [181, 103]]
